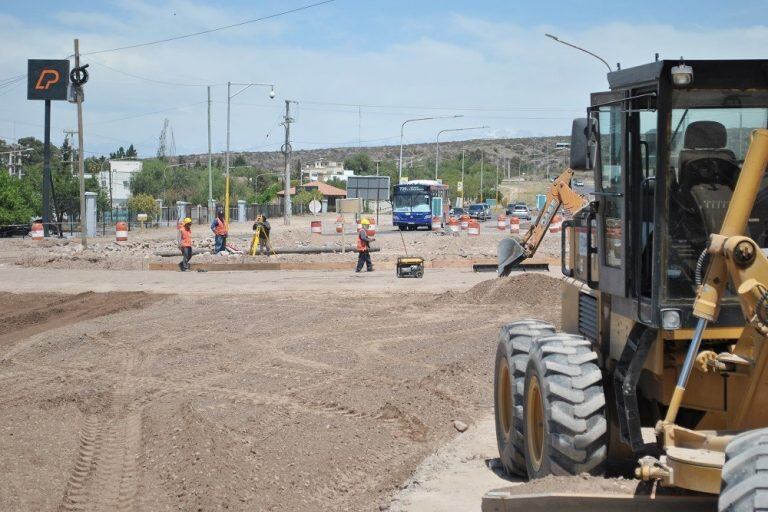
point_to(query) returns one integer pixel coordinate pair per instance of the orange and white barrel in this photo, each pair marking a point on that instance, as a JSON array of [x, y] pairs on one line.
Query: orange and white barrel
[[473, 228], [557, 224], [37, 232], [371, 229], [514, 225], [436, 223], [453, 225], [464, 222], [339, 224], [316, 227], [501, 222], [121, 232]]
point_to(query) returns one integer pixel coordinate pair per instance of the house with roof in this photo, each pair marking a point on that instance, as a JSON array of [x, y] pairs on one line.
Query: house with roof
[[329, 193]]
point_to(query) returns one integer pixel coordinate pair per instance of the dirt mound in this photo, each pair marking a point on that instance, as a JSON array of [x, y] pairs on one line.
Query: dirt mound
[[531, 289], [23, 315]]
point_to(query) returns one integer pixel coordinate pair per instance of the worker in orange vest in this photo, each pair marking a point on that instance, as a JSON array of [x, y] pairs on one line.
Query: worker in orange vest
[[363, 247], [219, 228], [185, 244]]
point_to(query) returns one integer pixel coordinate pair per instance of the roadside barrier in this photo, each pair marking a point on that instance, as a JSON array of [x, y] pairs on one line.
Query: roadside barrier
[[502, 222], [121, 232], [316, 227], [464, 222], [371, 230], [339, 224], [436, 223], [473, 228], [37, 232], [453, 225], [514, 225]]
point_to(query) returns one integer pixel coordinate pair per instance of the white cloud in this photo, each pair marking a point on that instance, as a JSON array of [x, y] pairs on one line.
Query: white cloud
[[473, 62]]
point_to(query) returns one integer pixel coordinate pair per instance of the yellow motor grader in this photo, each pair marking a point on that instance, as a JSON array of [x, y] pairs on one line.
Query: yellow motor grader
[[665, 301]]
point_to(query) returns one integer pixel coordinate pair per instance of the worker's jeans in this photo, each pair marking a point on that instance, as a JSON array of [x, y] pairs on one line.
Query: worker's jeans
[[186, 255], [364, 257], [263, 247], [220, 243]]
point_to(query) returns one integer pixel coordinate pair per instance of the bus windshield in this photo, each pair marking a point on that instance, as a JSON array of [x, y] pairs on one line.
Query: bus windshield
[[411, 202]]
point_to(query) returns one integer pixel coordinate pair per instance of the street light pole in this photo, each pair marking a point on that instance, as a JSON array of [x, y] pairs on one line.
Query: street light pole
[[402, 127], [462, 177], [226, 159], [437, 143], [482, 161], [580, 49]]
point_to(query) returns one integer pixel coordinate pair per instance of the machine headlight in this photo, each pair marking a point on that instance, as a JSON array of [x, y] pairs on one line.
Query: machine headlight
[[670, 319], [682, 75]]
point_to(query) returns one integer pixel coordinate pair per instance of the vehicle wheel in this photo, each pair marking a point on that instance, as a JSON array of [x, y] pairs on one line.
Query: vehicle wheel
[[402, 228], [745, 473], [511, 360], [564, 419]]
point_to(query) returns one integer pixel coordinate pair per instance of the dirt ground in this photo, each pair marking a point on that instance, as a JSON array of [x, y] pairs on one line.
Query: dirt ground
[[287, 399], [104, 252]]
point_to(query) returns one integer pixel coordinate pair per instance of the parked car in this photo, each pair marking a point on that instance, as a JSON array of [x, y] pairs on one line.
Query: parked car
[[520, 210], [479, 211], [488, 210], [578, 183], [457, 212]]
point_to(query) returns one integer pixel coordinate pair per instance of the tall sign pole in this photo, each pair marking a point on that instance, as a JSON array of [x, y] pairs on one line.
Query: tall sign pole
[[210, 172], [47, 80], [80, 155]]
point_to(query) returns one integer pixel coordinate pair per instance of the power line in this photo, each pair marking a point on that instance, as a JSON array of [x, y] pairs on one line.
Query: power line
[[152, 80], [147, 113], [185, 36]]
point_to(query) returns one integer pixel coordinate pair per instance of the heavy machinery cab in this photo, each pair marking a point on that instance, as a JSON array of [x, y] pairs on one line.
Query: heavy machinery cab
[[666, 144]]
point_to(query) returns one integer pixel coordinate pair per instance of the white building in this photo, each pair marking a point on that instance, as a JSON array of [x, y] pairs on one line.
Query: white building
[[120, 174], [324, 171]]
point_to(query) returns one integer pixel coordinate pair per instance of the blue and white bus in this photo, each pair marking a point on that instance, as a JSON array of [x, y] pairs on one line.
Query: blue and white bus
[[415, 203]]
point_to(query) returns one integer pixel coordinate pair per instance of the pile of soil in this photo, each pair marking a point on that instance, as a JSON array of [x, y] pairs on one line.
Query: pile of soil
[[535, 290]]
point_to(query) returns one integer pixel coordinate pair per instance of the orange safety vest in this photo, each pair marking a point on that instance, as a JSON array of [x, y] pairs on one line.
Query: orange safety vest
[[186, 237], [221, 227], [361, 245]]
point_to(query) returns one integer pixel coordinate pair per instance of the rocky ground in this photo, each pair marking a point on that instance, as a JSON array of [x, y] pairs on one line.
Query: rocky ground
[[143, 246], [260, 401]]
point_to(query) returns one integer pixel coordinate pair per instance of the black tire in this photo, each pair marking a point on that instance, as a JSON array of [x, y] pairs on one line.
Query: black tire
[[564, 425], [745, 473], [512, 357], [402, 228]]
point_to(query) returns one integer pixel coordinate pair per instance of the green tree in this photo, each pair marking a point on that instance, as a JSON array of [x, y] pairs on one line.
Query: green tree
[[361, 163], [131, 152], [120, 153], [15, 202], [143, 203], [336, 182], [268, 194], [239, 161]]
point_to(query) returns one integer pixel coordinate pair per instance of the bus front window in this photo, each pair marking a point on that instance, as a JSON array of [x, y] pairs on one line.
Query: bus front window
[[403, 203], [421, 204]]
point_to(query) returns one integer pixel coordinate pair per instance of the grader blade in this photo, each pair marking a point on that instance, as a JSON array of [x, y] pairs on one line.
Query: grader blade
[[503, 500]]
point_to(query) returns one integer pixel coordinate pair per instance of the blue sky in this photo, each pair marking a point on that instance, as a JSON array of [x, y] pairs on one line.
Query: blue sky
[[487, 60]]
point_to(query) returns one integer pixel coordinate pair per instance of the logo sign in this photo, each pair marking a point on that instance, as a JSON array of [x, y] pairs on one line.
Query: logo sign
[[459, 186], [47, 79]]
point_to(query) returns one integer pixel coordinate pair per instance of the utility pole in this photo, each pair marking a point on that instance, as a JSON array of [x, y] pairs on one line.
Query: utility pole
[[497, 182], [210, 172], [69, 134], [226, 158], [482, 161], [286, 149], [80, 160], [462, 177]]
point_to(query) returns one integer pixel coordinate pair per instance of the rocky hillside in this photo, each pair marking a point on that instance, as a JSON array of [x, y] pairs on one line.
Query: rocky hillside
[[538, 151]]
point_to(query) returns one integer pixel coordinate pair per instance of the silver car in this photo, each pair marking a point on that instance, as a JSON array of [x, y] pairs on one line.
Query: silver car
[[521, 211]]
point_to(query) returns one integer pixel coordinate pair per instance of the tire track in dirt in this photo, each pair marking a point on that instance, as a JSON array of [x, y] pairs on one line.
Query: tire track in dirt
[[104, 476]]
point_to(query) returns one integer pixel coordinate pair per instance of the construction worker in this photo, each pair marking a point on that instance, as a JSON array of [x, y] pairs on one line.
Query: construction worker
[[363, 247], [219, 228], [262, 225], [185, 244]]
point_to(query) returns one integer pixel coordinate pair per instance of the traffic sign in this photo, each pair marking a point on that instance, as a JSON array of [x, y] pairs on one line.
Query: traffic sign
[[315, 206]]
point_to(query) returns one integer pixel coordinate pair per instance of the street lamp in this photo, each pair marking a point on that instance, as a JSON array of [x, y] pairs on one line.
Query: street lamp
[[580, 49], [437, 142], [402, 127], [229, 101]]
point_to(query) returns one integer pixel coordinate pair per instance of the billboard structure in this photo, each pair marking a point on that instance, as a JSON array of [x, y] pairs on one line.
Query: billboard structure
[[369, 188]]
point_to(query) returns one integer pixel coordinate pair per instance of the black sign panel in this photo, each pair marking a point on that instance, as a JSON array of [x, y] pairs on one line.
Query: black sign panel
[[47, 79], [374, 188]]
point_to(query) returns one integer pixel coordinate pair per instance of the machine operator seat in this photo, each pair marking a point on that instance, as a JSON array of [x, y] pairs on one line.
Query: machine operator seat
[[707, 173]]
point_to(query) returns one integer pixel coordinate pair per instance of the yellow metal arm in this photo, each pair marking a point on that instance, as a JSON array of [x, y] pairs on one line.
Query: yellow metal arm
[[559, 195]]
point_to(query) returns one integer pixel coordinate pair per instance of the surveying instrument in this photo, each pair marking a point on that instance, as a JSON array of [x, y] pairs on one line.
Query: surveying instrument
[[257, 234]]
